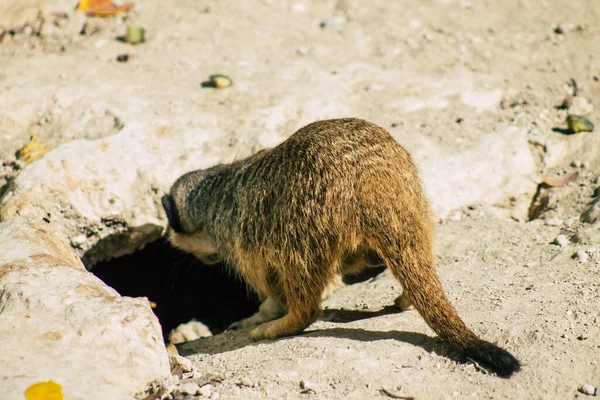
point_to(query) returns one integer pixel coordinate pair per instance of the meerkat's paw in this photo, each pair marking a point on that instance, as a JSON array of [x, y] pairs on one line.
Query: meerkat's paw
[[333, 286], [268, 311], [246, 323], [272, 330], [290, 324], [263, 332], [403, 302]]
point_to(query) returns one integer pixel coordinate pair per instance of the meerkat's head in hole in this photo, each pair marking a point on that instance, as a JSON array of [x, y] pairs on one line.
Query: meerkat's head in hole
[[185, 230]]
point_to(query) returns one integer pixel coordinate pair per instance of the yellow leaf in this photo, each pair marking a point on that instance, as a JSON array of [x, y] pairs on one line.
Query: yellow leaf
[[44, 391], [32, 151], [102, 8]]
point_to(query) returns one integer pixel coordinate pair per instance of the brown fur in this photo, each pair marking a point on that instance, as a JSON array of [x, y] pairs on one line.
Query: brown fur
[[333, 197]]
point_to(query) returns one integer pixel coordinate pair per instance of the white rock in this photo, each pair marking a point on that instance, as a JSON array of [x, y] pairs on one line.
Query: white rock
[[298, 8], [561, 240], [306, 386], [553, 222], [580, 255], [205, 390], [588, 389], [247, 382], [188, 388], [580, 106], [456, 216], [189, 331], [333, 22], [67, 325], [105, 194], [497, 168], [178, 361]]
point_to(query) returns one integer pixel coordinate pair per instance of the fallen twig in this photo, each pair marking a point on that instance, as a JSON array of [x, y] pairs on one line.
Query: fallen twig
[[575, 87], [396, 396]]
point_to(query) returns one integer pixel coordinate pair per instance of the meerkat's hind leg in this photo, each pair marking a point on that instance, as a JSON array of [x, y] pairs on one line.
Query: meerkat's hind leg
[[303, 295], [291, 323], [403, 302], [269, 310]]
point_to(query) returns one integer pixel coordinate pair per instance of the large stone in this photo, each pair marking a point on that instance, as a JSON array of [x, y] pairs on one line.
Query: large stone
[[496, 170], [105, 194], [59, 322]]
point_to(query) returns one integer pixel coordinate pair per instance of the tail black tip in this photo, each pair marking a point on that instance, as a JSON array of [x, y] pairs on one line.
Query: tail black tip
[[493, 358]]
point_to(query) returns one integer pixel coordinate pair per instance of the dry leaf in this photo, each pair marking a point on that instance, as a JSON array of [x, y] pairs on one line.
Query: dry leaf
[[102, 8], [49, 390], [577, 123], [32, 151], [561, 181]]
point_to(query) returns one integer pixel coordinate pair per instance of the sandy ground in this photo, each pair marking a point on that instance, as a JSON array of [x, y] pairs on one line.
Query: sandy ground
[[448, 71]]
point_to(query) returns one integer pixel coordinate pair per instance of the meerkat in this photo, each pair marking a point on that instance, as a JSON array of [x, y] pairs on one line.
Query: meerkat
[[336, 196]]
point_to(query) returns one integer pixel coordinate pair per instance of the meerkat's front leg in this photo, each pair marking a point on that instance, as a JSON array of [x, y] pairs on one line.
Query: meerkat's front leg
[[302, 294], [269, 310]]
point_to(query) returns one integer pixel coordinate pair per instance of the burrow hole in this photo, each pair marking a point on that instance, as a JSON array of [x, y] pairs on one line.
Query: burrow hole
[[181, 287]]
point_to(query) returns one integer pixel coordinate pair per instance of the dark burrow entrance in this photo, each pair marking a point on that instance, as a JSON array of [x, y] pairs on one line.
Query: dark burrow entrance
[[183, 288], [180, 285]]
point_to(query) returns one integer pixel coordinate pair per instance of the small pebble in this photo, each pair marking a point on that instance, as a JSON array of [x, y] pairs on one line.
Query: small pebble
[[580, 106], [576, 163], [302, 50], [298, 8], [580, 255], [414, 23], [588, 389], [184, 363], [172, 350], [205, 390], [78, 240], [563, 28], [307, 386], [189, 388], [101, 43], [333, 22], [561, 240], [554, 222], [246, 382]]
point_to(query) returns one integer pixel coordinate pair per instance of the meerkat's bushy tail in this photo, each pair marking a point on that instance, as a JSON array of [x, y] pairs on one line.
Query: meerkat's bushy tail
[[409, 256]]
